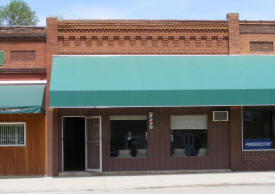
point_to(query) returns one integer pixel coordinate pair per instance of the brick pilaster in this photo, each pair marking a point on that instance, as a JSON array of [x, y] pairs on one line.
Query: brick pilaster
[[234, 33], [52, 130]]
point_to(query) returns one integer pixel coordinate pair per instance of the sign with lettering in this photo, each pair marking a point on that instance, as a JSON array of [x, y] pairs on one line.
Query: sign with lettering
[[257, 144], [2, 57], [9, 110]]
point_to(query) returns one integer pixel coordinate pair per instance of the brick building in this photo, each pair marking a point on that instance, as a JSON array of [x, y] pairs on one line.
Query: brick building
[[138, 95], [22, 81]]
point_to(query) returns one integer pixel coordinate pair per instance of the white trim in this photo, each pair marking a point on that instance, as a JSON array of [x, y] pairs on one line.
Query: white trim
[[25, 138], [24, 82], [100, 144]]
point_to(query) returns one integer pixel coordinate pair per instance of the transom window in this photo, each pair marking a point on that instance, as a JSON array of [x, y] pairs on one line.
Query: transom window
[[12, 134], [188, 135], [128, 136]]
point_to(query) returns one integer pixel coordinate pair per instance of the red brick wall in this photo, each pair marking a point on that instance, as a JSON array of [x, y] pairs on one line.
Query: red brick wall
[[38, 47], [246, 38]]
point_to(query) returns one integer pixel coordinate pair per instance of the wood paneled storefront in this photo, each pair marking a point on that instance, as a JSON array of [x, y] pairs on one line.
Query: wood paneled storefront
[[158, 140], [28, 159]]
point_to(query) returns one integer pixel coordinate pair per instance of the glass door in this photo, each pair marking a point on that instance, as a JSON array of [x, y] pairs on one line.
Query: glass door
[[93, 143]]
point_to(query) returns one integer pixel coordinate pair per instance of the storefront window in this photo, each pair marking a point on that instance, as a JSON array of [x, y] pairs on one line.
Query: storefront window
[[12, 134], [258, 128], [128, 136], [188, 135]]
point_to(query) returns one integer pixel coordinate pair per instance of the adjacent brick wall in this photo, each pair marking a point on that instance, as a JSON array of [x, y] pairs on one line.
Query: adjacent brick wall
[[258, 156], [21, 46], [245, 40]]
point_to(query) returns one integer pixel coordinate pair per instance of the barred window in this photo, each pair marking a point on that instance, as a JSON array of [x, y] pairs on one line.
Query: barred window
[[12, 134]]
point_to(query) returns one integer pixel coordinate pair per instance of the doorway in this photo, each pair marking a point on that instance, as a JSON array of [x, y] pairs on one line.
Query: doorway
[[74, 143], [82, 144]]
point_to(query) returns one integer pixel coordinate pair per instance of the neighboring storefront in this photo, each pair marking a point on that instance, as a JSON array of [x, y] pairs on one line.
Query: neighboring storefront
[[22, 127], [22, 105]]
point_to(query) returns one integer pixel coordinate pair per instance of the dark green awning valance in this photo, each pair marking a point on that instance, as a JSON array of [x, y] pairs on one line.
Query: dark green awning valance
[[17, 99], [117, 81]]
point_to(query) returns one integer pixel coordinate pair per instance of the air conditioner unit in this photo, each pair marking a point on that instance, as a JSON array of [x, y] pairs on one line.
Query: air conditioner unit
[[220, 116]]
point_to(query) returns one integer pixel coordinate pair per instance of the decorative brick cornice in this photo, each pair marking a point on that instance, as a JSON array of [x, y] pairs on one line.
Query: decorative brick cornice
[[141, 26], [142, 37]]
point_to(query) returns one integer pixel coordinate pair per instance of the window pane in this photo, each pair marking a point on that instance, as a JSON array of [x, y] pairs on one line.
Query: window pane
[[258, 128], [12, 134], [128, 138], [190, 136]]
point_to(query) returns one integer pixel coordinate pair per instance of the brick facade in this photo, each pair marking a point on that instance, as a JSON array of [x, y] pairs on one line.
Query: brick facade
[[33, 48]]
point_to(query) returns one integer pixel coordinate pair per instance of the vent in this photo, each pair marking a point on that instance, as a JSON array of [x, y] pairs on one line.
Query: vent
[[220, 116], [22, 55]]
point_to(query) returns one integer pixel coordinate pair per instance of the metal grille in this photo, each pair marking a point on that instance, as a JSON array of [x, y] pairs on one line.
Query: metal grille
[[12, 134]]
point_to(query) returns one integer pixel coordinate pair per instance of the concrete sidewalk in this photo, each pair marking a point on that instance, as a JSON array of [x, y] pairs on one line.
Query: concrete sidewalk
[[131, 183]]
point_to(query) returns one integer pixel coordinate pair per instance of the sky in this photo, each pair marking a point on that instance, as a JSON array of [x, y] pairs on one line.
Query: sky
[[151, 9]]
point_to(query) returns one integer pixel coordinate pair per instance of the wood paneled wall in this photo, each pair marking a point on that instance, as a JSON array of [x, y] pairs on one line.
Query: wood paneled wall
[[158, 157], [28, 159]]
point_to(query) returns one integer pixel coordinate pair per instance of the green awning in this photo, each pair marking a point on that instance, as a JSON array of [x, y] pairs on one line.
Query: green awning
[[118, 81], [17, 99]]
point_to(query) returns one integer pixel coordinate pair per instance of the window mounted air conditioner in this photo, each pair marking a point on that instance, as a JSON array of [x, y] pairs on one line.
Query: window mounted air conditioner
[[220, 116]]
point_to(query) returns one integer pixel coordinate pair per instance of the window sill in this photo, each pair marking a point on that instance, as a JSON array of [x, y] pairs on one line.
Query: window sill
[[12, 146], [261, 150]]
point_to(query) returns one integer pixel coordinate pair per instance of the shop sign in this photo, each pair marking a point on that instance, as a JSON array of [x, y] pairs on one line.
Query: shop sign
[[257, 144], [2, 57], [9, 110]]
